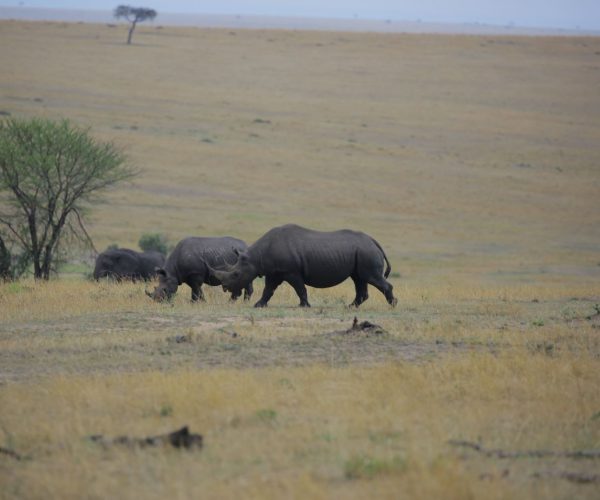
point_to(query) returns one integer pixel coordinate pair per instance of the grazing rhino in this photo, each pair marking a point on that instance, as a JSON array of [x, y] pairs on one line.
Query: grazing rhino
[[188, 263], [302, 257], [123, 263]]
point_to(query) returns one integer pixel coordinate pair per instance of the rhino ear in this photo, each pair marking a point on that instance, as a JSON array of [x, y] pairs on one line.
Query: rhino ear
[[242, 255], [160, 271]]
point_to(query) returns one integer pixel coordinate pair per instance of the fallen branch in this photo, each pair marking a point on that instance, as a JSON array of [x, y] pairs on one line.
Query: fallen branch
[[181, 438], [497, 453], [10, 453], [574, 477], [360, 330], [365, 326]]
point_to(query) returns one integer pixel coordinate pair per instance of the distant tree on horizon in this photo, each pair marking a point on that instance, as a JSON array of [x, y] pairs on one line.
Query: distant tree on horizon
[[133, 15]]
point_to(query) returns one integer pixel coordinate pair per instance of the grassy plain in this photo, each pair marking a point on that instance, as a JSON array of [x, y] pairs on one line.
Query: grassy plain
[[472, 159]]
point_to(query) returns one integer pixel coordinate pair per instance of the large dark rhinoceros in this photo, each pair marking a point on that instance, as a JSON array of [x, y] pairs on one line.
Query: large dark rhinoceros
[[123, 263], [188, 263], [302, 257]]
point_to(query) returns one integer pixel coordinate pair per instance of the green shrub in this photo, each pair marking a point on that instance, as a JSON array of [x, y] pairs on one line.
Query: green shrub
[[154, 242]]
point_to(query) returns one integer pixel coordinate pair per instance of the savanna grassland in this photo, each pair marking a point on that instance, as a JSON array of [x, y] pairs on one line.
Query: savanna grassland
[[473, 160]]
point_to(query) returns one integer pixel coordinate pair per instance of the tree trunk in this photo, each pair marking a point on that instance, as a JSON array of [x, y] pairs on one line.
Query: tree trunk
[[5, 261], [131, 28], [37, 269], [46, 263], [36, 251], [48, 251]]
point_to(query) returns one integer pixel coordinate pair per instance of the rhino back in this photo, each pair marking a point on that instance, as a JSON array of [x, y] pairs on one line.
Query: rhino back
[[322, 258], [120, 262], [191, 255]]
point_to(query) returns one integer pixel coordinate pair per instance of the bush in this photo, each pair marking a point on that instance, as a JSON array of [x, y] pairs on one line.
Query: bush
[[154, 242]]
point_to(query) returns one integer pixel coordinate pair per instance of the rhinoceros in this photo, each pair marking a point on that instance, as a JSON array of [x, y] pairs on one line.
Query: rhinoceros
[[303, 256], [123, 263], [188, 263]]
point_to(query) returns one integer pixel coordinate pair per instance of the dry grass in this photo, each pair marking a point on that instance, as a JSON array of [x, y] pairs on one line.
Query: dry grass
[[287, 407], [473, 160], [311, 431]]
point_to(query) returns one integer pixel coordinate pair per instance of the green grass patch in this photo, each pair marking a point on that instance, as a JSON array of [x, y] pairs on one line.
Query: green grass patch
[[366, 467]]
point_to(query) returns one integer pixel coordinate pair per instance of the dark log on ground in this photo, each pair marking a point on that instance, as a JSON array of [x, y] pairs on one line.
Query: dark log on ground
[[10, 453], [181, 438], [574, 477], [498, 453]]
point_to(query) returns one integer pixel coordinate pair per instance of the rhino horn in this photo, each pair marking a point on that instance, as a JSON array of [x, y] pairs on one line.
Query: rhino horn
[[219, 273]]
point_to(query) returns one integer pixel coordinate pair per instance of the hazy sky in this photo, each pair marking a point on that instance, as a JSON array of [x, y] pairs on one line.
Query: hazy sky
[[568, 14]]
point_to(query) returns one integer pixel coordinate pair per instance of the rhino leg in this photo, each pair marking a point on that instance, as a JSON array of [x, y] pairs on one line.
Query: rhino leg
[[197, 293], [271, 283], [384, 287], [298, 284], [248, 291], [361, 292]]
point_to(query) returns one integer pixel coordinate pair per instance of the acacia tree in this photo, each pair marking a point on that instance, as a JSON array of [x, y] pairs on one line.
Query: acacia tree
[[50, 171], [133, 15]]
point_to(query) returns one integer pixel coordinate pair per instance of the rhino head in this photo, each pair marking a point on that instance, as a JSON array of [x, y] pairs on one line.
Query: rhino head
[[167, 286], [237, 276]]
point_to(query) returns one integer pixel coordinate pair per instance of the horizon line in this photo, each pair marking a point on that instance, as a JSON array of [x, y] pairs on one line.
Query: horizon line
[[293, 22]]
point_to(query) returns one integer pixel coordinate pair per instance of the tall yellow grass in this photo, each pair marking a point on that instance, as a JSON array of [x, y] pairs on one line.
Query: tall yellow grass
[[312, 431], [84, 362]]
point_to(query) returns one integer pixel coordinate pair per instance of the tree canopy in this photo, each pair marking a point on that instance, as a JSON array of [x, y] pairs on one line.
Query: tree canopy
[[50, 172], [133, 16]]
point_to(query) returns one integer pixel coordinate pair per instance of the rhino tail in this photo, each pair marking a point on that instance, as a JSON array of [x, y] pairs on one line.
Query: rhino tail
[[387, 262], [388, 268]]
